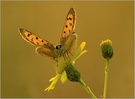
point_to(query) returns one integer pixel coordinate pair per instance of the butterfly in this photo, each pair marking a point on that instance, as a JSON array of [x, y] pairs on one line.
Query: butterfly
[[67, 39]]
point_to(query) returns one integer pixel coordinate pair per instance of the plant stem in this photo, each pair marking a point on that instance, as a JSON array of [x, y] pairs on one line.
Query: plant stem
[[87, 89], [106, 78]]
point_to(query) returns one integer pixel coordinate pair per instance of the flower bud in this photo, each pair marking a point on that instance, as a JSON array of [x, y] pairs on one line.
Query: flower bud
[[72, 73], [106, 48]]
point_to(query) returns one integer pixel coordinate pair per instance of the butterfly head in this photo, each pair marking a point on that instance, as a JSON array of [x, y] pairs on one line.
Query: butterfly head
[[58, 46]]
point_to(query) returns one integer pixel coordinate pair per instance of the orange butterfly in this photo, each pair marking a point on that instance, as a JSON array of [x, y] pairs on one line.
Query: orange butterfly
[[67, 39]]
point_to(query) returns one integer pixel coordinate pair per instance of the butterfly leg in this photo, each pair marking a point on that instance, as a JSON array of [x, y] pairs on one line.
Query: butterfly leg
[[67, 54]]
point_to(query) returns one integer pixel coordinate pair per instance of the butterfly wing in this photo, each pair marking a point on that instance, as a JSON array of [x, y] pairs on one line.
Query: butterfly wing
[[45, 49], [70, 42], [68, 26], [34, 39]]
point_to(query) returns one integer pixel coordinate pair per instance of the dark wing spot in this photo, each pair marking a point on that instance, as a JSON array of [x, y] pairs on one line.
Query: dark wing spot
[[47, 43], [73, 32], [70, 24], [37, 38], [70, 18], [64, 32], [32, 39], [66, 26], [42, 40], [69, 30], [28, 35]]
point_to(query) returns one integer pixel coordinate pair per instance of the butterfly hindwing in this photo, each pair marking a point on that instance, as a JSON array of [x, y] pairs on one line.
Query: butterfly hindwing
[[68, 26], [68, 45], [47, 52]]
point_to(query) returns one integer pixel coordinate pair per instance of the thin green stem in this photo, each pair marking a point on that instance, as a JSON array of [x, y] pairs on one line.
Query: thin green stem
[[106, 78], [87, 89]]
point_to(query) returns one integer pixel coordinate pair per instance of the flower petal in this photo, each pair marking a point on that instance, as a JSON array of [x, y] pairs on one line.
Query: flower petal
[[63, 77], [54, 81], [79, 52], [82, 45], [79, 55]]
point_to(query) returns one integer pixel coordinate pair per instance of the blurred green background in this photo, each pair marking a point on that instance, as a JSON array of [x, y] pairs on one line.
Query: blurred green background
[[26, 74]]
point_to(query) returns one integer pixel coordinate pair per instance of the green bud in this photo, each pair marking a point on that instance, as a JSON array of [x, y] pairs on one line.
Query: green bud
[[106, 48], [72, 73]]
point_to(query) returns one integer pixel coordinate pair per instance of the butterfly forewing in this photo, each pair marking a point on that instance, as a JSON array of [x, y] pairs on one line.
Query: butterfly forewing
[[34, 39], [68, 26]]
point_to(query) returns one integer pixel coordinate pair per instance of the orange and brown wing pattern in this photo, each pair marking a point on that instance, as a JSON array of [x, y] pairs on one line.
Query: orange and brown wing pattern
[[68, 26], [34, 39]]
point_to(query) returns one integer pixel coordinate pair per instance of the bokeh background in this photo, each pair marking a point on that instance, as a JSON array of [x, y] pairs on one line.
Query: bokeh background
[[26, 74]]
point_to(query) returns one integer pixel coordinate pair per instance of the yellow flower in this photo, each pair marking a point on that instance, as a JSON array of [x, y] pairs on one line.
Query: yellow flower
[[62, 64]]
